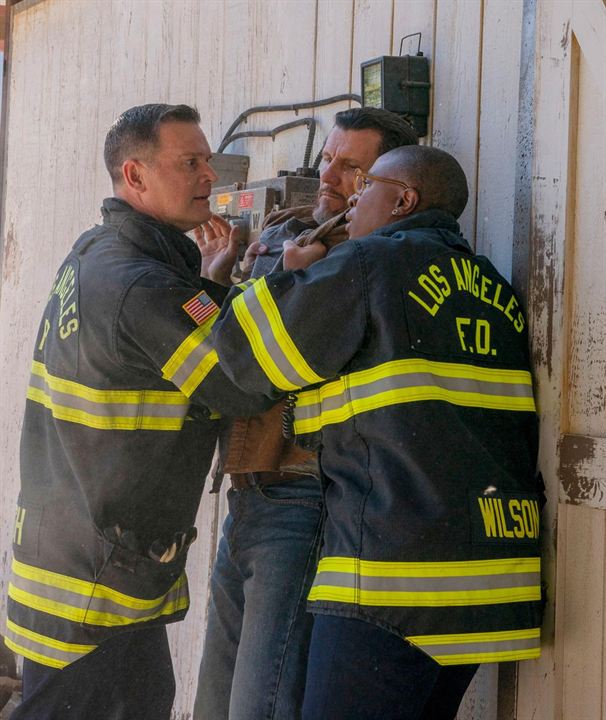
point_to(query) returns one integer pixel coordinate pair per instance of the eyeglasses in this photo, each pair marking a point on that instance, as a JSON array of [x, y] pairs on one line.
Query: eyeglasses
[[361, 181]]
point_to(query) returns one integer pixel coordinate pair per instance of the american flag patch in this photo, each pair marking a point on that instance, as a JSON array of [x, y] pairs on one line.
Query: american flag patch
[[200, 308]]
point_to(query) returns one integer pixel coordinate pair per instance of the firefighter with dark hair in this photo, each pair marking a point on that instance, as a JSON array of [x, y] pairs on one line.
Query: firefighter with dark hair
[[257, 638], [407, 361], [119, 432]]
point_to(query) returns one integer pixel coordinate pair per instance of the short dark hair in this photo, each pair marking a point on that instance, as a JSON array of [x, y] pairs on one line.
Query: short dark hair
[[136, 130], [392, 128]]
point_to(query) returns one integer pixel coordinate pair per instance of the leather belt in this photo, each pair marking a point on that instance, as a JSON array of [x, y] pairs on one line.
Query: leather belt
[[243, 481]]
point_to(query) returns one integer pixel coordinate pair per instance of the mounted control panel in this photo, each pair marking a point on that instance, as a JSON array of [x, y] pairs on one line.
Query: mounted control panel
[[248, 206]]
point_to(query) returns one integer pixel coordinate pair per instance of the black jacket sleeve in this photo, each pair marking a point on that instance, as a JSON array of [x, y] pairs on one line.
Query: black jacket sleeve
[[293, 329], [164, 327]]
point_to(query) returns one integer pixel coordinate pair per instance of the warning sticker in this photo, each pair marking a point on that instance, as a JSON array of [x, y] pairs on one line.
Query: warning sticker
[[247, 200], [224, 199]]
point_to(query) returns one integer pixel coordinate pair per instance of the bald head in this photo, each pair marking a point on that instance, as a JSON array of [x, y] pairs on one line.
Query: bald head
[[403, 182], [436, 175]]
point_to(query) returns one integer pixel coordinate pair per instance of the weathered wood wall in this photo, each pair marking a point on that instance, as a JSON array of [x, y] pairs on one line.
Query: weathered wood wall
[[567, 300], [76, 64]]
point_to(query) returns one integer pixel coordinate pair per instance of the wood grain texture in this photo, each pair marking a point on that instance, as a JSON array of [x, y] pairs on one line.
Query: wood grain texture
[[563, 299], [581, 630], [583, 469], [275, 64], [228, 55], [456, 91], [334, 36], [585, 361], [538, 683], [498, 131]]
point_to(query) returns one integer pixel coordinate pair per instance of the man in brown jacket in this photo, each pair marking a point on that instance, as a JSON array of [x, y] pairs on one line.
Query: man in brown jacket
[[257, 639]]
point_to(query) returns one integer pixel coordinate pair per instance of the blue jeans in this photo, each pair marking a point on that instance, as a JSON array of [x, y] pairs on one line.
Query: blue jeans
[[258, 632], [358, 671]]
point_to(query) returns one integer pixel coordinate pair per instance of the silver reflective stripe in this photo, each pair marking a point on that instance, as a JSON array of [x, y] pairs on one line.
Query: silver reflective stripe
[[191, 363], [114, 409], [270, 342], [425, 584], [35, 644], [411, 380], [78, 606], [488, 646]]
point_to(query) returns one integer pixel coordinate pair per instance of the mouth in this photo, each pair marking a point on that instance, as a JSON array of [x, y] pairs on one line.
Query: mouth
[[203, 198], [328, 194]]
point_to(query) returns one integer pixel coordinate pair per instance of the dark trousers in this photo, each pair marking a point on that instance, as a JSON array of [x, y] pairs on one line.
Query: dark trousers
[[129, 677], [357, 671]]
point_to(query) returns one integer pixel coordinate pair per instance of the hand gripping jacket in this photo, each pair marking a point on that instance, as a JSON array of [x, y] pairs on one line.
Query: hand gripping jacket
[[116, 440], [412, 355], [257, 444]]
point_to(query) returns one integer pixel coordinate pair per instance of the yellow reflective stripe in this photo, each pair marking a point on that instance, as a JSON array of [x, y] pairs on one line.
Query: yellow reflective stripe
[[284, 340], [255, 340], [188, 345], [462, 638], [272, 346], [488, 657], [394, 598], [455, 568], [427, 584], [107, 409], [201, 370], [49, 641], [246, 283], [87, 588], [35, 656], [407, 395], [88, 616], [127, 397], [336, 401], [498, 646], [60, 412]]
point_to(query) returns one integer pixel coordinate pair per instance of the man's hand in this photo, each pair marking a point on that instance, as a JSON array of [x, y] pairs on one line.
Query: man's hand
[[218, 243], [299, 258], [254, 249]]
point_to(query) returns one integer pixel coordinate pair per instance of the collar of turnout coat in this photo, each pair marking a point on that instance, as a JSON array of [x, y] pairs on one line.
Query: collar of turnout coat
[[159, 240]]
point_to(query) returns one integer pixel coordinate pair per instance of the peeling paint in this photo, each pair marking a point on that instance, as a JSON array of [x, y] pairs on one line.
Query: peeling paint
[[565, 35], [542, 293], [11, 264], [583, 470]]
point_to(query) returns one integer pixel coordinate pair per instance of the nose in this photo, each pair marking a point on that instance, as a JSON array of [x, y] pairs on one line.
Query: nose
[[329, 175], [352, 200], [210, 174]]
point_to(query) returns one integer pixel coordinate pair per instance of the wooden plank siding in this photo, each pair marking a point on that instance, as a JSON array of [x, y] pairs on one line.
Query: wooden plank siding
[[537, 693], [77, 64], [566, 312]]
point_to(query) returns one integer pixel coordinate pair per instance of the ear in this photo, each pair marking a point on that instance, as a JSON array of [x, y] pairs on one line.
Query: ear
[[407, 202], [133, 175]]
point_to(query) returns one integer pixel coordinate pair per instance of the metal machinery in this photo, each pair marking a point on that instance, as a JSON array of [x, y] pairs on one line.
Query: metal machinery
[[400, 84], [247, 204]]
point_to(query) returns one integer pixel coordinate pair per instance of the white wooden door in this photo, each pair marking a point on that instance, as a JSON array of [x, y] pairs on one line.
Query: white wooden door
[[568, 317]]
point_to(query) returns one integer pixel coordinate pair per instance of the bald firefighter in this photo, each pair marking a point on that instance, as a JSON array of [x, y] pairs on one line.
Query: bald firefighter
[[416, 389]]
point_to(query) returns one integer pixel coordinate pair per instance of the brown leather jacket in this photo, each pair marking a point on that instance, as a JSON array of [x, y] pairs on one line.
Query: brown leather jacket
[[256, 444]]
